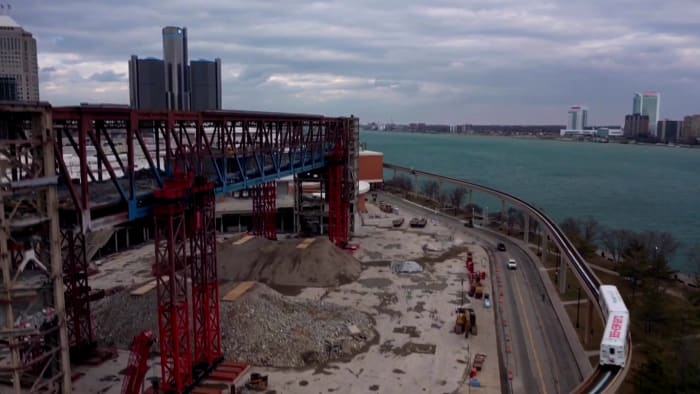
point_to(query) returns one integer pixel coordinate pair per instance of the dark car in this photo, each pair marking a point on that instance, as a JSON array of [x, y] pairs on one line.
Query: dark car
[[501, 246]]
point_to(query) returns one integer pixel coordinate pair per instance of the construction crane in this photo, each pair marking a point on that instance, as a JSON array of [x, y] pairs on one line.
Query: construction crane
[[138, 363]]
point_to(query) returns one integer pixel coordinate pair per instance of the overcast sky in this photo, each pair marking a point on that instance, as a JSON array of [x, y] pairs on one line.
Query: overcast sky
[[448, 61]]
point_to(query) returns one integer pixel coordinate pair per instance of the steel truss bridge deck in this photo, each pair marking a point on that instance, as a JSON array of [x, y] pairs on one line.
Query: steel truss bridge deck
[[112, 158]]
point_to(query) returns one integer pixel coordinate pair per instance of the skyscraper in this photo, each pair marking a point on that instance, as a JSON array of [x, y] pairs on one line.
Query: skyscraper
[[648, 104], [206, 85], [177, 75], [18, 64], [578, 118], [147, 84]]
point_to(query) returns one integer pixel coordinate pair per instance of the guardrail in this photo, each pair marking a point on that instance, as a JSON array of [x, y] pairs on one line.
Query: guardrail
[[602, 379]]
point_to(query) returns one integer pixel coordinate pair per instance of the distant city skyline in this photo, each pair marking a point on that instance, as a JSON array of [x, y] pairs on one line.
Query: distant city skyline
[[405, 61]]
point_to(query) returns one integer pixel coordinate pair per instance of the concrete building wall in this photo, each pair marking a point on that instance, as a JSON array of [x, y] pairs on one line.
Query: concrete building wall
[[371, 166], [206, 85], [18, 59]]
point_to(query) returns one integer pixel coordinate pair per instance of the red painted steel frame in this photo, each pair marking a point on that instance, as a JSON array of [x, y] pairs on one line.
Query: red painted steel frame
[[138, 363], [77, 291], [338, 183], [205, 279], [173, 308], [265, 210]]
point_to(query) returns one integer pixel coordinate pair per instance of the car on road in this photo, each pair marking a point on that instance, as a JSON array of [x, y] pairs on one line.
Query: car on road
[[501, 246], [512, 264]]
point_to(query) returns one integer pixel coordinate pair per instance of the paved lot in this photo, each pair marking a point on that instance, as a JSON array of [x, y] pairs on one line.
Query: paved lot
[[417, 351]]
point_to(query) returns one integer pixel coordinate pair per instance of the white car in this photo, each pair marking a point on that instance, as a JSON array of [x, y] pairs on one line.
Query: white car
[[512, 264]]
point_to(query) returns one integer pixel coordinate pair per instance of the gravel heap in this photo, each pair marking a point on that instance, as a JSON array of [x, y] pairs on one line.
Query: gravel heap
[[117, 319], [281, 263], [262, 327], [265, 328]]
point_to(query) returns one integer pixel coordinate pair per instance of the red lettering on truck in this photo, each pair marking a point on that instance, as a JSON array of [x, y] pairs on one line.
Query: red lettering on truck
[[616, 329]]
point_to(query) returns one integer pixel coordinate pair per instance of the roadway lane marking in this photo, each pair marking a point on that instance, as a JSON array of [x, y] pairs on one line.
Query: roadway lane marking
[[529, 334]]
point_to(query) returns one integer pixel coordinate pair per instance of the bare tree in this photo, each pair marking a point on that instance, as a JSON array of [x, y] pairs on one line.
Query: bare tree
[[694, 262], [590, 230], [614, 241], [430, 189], [457, 197], [660, 243], [442, 196], [400, 182]]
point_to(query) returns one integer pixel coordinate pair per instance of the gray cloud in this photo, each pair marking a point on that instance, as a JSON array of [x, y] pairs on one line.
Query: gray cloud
[[108, 76], [481, 61]]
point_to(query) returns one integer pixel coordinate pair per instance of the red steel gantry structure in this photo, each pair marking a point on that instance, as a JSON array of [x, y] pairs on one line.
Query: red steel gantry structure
[[103, 182]]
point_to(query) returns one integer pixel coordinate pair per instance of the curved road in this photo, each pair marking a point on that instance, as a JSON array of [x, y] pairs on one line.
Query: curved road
[[541, 360]]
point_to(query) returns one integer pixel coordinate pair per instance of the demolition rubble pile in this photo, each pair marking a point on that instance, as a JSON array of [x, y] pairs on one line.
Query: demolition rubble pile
[[281, 263], [262, 327], [268, 329]]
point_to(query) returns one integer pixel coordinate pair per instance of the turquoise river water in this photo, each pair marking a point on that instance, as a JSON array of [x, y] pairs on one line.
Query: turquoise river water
[[637, 187]]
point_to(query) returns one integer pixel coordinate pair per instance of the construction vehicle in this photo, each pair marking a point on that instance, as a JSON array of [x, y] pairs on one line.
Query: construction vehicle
[[257, 382], [138, 363]]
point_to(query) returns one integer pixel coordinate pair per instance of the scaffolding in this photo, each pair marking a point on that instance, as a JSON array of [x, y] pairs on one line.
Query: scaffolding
[[34, 355]]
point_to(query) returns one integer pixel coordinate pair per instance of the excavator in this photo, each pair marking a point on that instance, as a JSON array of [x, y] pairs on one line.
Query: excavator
[[465, 321]]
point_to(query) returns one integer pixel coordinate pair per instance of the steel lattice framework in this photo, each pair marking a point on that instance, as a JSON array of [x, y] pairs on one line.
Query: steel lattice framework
[[33, 337], [205, 279], [77, 294], [135, 151], [173, 307], [265, 210]]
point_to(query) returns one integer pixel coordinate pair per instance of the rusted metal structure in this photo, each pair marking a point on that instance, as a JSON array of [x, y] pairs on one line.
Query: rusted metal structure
[[264, 210], [33, 338], [116, 165]]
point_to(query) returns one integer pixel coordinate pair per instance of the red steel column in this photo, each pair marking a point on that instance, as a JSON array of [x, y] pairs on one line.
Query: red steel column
[[77, 291], [338, 207], [255, 193], [269, 201], [173, 309], [205, 283], [265, 210]]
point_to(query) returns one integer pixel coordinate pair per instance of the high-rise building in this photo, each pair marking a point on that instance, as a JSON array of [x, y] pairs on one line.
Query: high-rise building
[[669, 130], [18, 61], [578, 118], [8, 89], [206, 85], [648, 104], [636, 125], [691, 128], [147, 84], [177, 75], [637, 104]]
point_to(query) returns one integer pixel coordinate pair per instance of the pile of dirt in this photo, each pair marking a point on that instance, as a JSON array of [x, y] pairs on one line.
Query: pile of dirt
[[281, 263], [262, 327], [265, 328]]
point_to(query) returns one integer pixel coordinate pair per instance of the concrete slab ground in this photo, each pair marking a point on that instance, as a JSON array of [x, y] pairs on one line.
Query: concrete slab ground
[[417, 351]]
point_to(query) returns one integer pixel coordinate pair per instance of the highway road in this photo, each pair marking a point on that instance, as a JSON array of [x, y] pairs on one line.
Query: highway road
[[540, 358]]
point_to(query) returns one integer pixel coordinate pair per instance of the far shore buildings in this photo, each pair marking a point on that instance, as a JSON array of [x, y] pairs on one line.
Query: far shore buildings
[[175, 83], [577, 125]]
